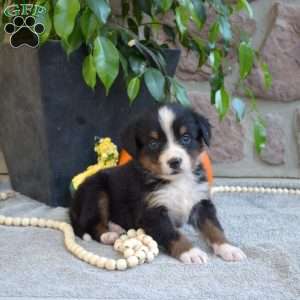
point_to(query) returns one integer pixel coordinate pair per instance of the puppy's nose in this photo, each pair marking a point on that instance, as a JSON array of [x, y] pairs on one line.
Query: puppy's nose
[[175, 163]]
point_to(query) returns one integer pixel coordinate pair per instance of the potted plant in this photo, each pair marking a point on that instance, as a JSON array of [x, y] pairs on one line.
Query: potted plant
[[115, 64]]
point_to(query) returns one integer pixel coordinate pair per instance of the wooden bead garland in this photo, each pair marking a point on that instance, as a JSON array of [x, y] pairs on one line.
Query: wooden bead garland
[[135, 246]]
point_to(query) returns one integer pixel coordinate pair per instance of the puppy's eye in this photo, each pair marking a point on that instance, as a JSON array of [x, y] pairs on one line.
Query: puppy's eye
[[185, 139], [153, 145]]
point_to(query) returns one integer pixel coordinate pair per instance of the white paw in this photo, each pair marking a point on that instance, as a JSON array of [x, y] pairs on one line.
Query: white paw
[[108, 238], [194, 256], [229, 252], [115, 228]]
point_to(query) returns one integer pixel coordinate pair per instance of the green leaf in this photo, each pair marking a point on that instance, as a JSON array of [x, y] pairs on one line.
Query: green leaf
[[100, 8], [65, 12], [246, 59], [198, 12], [106, 58], [215, 60], [133, 88], [260, 135], [243, 4], [267, 75], [222, 103], [179, 92], [89, 71], [214, 33], [74, 41], [182, 19], [46, 21], [137, 64], [88, 24], [239, 107], [155, 83], [165, 5]]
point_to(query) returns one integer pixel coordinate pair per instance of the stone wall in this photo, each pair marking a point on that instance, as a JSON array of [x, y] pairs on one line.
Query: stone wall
[[276, 32]]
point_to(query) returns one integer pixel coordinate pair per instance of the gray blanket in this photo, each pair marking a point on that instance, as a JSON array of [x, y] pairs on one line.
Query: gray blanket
[[35, 264]]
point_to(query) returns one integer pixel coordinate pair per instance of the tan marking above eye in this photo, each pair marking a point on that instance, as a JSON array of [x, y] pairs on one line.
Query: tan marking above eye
[[182, 130], [154, 135]]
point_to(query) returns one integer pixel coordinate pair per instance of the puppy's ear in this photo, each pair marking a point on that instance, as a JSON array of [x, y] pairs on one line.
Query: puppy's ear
[[129, 139], [204, 128]]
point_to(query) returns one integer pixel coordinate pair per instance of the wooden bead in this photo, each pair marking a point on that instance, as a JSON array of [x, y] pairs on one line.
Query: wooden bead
[[41, 223], [93, 259], [16, 221], [131, 233], [141, 256], [110, 264], [33, 221], [121, 264], [2, 220], [132, 261], [128, 252], [140, 231], [8, 221], [25, 222], [123, 237], [101, 262], [147, 239]]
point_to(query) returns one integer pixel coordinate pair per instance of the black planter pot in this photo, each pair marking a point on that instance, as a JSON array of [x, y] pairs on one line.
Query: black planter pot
[[49, 118]]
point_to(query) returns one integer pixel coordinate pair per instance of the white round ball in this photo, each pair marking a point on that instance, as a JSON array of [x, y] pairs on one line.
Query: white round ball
[[8, 221], [2, 220], [101, 262], [17, 221], [110, 264], [41, 223], [132, 261], [140, 231], [131, 233], [121, 264], [141, 255], [128, 252], [33, 221], [123, 237], [147, 239]]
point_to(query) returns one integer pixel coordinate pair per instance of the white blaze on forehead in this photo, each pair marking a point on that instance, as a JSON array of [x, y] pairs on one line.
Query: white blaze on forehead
[[166, 120]]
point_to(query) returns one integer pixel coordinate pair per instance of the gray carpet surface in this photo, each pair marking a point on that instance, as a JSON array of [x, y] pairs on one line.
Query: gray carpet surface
[[35, 265]]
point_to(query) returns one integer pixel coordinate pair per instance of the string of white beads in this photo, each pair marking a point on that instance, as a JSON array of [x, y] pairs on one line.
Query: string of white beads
[[135, 246], [245, 189]]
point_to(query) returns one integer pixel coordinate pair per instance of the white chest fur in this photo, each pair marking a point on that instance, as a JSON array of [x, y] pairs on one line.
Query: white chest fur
[[179, 197]]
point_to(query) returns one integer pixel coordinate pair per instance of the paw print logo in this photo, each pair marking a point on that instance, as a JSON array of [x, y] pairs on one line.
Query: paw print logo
[[24, 31]]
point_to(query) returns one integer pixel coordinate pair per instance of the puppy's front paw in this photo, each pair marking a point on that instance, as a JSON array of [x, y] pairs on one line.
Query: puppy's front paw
[[194, 256], [229, 252], [108, 238]]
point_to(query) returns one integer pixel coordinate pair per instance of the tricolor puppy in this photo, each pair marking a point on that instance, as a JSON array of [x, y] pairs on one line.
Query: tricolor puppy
[[161, 189]]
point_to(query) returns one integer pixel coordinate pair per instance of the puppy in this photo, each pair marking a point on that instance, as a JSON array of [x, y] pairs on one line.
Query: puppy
[[161, 189]]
